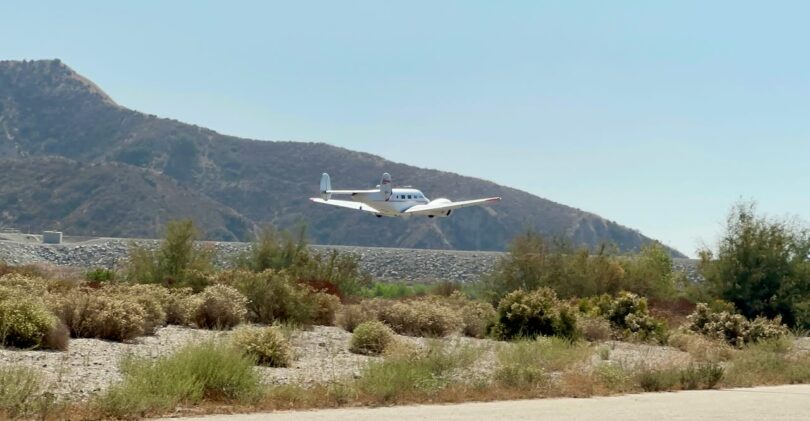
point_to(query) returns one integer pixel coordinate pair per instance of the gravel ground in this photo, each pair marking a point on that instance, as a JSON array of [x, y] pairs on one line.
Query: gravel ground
[[321, 355], [387, 264]]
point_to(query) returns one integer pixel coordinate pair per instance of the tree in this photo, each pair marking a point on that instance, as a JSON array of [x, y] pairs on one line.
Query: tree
[[762, 266], [177, 262]]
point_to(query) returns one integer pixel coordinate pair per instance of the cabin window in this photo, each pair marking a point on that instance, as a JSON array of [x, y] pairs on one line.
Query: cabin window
[[409, 196]]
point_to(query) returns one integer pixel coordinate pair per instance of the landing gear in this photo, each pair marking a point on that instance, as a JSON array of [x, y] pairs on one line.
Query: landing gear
[[378, 215], [430, 216]]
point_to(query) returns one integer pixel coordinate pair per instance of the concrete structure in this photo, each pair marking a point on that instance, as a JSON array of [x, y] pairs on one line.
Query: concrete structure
[[51, 237]]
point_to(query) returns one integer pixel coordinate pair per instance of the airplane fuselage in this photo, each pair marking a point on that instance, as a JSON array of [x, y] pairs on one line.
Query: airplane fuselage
[[400, 200]]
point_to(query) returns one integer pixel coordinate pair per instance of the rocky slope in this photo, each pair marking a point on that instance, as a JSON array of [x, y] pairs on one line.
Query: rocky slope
[[386, 264]]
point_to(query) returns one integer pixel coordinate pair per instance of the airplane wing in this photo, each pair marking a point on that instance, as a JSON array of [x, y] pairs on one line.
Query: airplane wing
[[345, 204], [429, 208]]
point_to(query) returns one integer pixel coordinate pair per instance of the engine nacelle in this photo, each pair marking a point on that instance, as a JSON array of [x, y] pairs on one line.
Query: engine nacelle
[[440, 214]]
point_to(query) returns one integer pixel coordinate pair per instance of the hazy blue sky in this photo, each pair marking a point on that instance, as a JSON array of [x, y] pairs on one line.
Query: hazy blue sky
[[658, 115]]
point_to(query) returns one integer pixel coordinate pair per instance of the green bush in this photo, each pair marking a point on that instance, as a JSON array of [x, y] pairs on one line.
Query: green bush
[[762, 266], [273, 250], [220, 307], [208, 371], [421, 318], [533, 262], [337, 273], [100, 275], [178, 262], [272, 296], [352, 315], [393, 291], [95, 314], [267, 344], [628, 314], [371, 338], [733, 329], [530, 314], [25, 322]]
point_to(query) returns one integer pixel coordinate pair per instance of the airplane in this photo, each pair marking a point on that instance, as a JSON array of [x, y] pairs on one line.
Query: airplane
[[385, 200]]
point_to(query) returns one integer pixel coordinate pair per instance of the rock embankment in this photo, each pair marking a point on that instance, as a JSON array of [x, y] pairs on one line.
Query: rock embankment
[[388, 264]]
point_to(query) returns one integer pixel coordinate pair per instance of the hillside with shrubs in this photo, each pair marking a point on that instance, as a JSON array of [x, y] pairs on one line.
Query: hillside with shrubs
[[82, 163], [549, 320]]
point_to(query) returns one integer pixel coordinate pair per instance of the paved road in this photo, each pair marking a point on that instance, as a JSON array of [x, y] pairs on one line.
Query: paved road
[[761, 403]]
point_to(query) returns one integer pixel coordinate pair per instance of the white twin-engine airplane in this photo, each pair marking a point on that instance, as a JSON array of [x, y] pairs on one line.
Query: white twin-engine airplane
[[388, 201]]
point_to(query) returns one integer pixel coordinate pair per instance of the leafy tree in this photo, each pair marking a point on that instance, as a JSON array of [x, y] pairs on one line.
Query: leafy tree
[[177, 262], [762, 266], [533, 262]]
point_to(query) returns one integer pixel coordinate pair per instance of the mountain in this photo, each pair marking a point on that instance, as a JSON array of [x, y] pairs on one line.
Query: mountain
[[73, 158]]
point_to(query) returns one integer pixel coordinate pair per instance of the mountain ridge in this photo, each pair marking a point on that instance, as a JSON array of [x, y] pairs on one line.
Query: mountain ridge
[[49, 110]]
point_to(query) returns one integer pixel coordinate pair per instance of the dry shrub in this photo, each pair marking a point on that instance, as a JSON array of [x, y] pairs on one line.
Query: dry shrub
[[25, 270], [33, 285], [477, 318], [93, 314], [700, 347], [350, 316], [371, 338], [180, 305], [267, 344], [421, 318], [220, 307], [734, 329], [325, 306], [594, 329], [151, 298], [25, 321]]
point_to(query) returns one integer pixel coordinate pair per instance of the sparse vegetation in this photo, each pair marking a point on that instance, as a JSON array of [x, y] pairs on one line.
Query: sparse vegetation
[[22, 394], [280, 285], [527, 364], [352, 315], [204, 371]]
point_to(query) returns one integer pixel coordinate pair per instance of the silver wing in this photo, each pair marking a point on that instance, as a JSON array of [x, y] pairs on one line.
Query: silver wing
[[434, 208], [345, 204]]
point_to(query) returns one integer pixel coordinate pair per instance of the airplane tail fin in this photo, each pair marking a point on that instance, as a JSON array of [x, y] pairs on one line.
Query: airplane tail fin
[[386, 186], [326, 185]]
